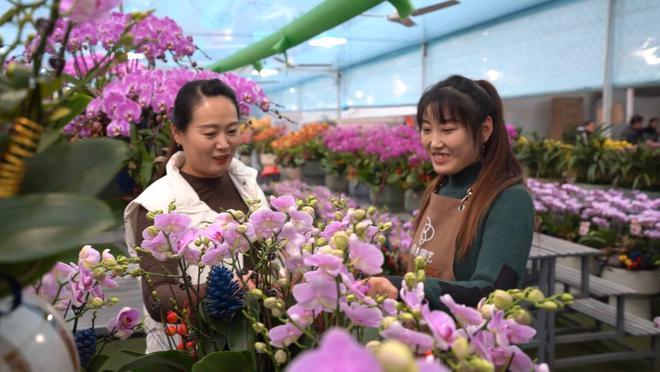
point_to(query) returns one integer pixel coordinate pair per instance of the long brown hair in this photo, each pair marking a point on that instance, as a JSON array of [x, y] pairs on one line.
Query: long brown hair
[[470, 102]]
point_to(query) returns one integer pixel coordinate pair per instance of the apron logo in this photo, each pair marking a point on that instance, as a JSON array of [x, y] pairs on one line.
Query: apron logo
[[427, 234]]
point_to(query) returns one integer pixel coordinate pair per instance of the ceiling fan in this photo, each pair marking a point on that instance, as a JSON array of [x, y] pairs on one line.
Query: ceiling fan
[[310, 67], [408, 22]]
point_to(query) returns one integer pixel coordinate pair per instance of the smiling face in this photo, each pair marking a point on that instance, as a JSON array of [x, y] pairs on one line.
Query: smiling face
[[211, 138], [449, 144]]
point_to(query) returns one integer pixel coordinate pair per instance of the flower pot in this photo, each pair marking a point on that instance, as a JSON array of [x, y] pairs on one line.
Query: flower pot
[[312, 174], [336, 183], [412, 199], [389, 196], [358, 190], [644, 282], [267, 159], [34, 337], [291, 173]]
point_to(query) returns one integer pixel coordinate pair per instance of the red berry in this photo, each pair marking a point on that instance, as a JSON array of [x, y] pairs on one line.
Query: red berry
[[190, 345], [179, 346], [171, 317], [171, 330], [182, 329]]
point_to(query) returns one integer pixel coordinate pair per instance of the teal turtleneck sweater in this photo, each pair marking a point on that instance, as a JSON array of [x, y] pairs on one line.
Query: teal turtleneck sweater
[[499, 252]]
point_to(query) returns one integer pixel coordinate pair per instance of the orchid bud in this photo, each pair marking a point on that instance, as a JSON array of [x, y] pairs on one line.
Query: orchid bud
[[320, 242], [420, 263], [373, 345], [258, 327], [394, 356], [241, 229], [152, 231], [238, 215], [381, 239], [522, 316], [549, 305], [535, 295], [566, 297], [257, 293], [410, 279], [387, 322], [277, 312], [358, 215], [340, 240], [371, 211], [113, 300], [350, 298], [260, 347], [487, 310], [421, 275], [96, 302], [282, 282], [122, 260], [308, 248], [280, 356], [309, 210], [107, 258], [99, 273], [270, 303], [387, 226], [171, 206], [406, 317], [361, 227], [502, 299], [300, 203], [477, 364], [461, 347]]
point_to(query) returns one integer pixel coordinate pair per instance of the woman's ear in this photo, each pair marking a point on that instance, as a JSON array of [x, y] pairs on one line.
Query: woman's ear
[[176, 134], [486, 129]]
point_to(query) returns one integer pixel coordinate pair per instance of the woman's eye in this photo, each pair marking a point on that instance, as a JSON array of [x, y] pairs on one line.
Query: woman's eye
[[232, 132], [426, 130], [448, 130], [209, 135]]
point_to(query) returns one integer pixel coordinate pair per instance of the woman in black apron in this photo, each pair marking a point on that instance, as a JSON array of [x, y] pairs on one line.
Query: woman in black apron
[[476, 218]]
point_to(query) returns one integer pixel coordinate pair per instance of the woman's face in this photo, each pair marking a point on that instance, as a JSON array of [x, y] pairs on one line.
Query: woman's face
[[449, 145], [211, 138]]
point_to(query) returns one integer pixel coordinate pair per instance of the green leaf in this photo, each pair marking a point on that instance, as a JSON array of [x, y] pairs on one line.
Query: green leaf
[[76, 105], [26, 273], [98, 363], [84, 167], [8, 15], [239, 334], [171, 360], [132, 353], [11, 99], [224, 361], [49, 138], [44, 225]]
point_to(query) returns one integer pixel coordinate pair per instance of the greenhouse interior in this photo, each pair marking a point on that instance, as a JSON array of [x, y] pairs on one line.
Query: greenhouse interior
[[267, 185]]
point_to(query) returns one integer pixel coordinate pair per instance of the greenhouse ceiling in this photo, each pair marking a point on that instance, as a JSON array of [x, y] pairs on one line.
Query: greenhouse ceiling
[[221, 28]]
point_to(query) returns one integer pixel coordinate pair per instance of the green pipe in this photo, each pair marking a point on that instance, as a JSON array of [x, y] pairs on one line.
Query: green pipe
[[323, 17]]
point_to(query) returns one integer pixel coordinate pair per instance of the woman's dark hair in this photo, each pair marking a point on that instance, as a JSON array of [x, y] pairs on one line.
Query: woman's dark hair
[[470, 102], [188, 97], [192, 92], [636, 119]]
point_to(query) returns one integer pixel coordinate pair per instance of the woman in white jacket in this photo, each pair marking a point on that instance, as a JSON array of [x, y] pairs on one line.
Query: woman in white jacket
[[202, 179]]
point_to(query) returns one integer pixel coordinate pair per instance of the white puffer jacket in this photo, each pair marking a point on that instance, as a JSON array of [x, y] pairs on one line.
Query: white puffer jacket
[[173, 187]]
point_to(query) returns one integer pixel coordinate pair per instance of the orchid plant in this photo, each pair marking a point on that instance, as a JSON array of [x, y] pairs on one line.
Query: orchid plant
[[307, 291], [78, 288], [627, 227]]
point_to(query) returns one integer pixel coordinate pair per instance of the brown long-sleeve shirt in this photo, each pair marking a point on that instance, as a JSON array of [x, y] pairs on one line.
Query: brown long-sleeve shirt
[[219, 194]]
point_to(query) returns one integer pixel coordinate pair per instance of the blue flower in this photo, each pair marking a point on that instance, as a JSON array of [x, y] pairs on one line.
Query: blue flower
[[224, 297], [86, 344]]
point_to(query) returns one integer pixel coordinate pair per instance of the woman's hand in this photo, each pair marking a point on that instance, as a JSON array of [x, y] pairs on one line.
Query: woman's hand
[[381, 286]]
